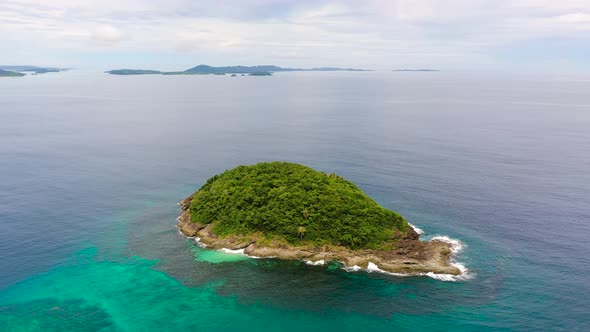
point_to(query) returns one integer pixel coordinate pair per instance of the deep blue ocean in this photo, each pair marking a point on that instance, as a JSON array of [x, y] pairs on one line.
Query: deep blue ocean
[[92, 167]]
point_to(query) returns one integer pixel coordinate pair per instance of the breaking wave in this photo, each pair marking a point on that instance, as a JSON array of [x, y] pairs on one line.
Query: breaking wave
[[320, 262], [420, 231], [236, 251], [456, 247]]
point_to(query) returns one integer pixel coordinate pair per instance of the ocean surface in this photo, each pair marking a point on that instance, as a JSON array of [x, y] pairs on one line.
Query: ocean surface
[[92, 167]]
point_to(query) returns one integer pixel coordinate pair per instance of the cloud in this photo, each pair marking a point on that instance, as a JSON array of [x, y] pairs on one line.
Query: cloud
[[106, 33], [374, 33]]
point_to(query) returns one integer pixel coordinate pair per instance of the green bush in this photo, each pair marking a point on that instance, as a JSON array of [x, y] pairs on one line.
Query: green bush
[[296, 203]]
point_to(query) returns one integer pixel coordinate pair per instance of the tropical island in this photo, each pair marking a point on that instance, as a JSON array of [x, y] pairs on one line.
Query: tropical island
[[265, 70], [32, 69], [6, 73], [134, 72], [290, 211]]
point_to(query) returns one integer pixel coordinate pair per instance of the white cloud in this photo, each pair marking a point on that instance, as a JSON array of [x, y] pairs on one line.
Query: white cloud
[[106, 33], [375, 33]]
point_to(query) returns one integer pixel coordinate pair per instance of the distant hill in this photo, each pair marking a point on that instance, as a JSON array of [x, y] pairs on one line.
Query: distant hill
[[6, 73], [34, 69], [206, 70], [260, 73], [133, 72]]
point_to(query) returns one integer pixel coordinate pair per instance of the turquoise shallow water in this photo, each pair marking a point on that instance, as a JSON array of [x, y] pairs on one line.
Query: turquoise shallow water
[[92, 167], [131, 295]]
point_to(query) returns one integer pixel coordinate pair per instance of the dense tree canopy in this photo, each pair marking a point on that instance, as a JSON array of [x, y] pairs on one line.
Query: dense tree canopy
[[296, 203]]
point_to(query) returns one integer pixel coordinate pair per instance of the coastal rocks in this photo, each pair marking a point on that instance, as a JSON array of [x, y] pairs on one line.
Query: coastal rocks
[[231, 242], [437, 261], [278, 252], [411, 234], [410, 257], [185, 203], [187, 227]]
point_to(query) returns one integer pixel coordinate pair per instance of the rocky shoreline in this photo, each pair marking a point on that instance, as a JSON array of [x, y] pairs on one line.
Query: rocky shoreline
[[411, 257]]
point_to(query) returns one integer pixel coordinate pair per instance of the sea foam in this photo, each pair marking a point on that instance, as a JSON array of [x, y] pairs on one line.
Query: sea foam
[[320, 262], [456, 247], [230, 251], [420, 231], [199, 243], [372, 267], [353, 268]]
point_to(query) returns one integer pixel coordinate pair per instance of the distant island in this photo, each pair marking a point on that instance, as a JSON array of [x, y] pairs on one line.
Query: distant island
[[260, 73], [265, 70], [415, 70], [290, 211], [134, 72], [32, 69], [6, 73]]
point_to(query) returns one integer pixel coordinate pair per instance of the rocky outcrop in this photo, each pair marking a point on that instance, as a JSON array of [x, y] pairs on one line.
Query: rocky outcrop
[[409, 255]]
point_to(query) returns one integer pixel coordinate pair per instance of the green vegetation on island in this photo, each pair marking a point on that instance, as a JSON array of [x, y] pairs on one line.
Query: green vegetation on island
[[264, 70], [295, 203], [32, 69], [261, 73], [289, 211], [133, 72], [6, 73]]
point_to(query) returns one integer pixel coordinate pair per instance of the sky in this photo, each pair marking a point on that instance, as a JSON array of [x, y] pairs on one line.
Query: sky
[[532, 35]]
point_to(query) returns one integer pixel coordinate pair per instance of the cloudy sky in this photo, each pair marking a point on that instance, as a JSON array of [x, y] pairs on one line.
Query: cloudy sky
[[376, 34]]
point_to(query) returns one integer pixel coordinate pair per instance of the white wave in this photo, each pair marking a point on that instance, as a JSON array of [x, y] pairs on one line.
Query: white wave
[[420, 231], [456, 247], [465, 274], [353, 268], [199, 243], [230, 251], [320, 262], [239, 252], [372, 267], [441, 276]]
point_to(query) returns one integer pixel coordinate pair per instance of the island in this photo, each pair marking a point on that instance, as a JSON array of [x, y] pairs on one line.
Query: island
[[134, 72], [6, 73], [264, 70], [260, 73], [32, 69], [290, 211]]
